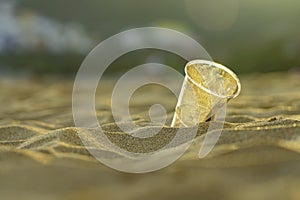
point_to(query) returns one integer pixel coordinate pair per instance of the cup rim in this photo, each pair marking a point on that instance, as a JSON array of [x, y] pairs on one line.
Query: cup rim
[[217, 65]]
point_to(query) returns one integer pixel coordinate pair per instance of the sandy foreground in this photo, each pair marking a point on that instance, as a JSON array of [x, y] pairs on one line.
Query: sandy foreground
[[256, 157]]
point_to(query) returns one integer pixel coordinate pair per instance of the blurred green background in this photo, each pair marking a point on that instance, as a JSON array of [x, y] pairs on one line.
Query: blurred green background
[[247, 35]]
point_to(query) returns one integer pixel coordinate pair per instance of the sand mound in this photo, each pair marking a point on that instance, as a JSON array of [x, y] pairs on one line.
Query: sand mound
[[43, 157]]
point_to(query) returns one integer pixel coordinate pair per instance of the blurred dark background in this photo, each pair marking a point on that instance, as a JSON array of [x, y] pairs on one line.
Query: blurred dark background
[[42, 37]]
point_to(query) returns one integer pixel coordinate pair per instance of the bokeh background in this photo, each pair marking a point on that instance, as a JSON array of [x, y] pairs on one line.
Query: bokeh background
[[250, 36]]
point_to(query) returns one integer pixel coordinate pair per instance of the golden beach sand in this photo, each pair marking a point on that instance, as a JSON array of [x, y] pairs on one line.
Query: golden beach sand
[[256, 157]]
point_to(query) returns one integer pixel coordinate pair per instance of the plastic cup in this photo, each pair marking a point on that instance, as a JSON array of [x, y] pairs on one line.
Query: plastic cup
[[206, 88]]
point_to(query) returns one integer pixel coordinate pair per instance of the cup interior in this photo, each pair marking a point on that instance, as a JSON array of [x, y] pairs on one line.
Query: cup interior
[[213, 78]]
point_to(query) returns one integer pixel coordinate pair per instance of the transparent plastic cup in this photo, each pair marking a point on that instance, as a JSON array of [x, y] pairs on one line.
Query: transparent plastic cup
[[206, 88]]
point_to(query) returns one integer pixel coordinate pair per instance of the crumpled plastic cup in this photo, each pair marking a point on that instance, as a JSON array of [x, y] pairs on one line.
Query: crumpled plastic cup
[[206, 88]]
